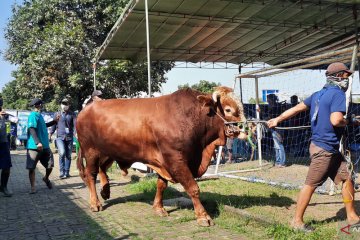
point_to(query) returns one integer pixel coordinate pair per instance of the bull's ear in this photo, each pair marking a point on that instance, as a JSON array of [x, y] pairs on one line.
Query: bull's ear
[[206, 100]]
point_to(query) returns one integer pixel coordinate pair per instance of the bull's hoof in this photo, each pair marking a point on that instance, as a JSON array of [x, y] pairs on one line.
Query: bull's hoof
[[105, 191], [160, 211], [96, 208], [205, 222]]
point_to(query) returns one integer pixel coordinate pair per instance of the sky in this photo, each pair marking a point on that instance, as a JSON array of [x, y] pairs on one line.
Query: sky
[[178, 76], [5, 67], [301, 83]]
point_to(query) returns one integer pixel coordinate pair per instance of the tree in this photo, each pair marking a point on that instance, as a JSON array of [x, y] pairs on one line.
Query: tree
[[125, 79], [203, 86], [11, 97], [253, 101], [54, 41]]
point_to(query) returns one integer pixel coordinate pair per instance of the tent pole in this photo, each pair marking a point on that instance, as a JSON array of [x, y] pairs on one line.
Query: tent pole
[[240, 85], [148, 47], [218, 159], [258, 129], [94, 72]]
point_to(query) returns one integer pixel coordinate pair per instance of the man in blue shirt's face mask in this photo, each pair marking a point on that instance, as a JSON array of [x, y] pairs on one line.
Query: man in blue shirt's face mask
[[327, 110]]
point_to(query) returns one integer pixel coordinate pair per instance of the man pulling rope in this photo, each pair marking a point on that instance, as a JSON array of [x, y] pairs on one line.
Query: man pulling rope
[[327, 110]]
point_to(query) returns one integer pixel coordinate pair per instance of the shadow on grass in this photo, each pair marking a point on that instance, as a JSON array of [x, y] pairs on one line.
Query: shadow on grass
[[146, 196], [340, 214], [211, 201]]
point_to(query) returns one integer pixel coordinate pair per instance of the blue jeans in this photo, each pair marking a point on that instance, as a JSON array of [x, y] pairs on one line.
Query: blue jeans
[[279, 149], [65, 150]]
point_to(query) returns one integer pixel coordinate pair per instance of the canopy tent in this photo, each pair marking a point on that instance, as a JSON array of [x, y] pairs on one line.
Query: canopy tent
[[233, 31]]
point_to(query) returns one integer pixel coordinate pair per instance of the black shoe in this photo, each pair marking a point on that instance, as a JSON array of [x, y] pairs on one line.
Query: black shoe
[[5, 191], [47, 182], [67, 175]]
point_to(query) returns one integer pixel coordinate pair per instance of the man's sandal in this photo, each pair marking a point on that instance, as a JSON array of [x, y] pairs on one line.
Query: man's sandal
[[304, 228]]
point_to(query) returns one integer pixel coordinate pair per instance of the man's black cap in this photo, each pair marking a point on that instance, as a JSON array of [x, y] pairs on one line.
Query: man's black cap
[[35, 102], [96, 93], [65, 101]]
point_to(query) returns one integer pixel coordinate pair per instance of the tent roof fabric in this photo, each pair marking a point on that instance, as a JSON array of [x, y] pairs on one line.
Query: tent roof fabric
[[232, 31]]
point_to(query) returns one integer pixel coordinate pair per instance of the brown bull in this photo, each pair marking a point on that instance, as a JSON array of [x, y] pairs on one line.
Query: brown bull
[[175, 135]]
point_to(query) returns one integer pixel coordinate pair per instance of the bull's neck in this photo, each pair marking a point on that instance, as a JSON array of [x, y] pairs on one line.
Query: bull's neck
[[214, 129]]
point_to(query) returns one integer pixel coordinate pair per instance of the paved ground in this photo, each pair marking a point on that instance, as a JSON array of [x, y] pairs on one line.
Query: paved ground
[[63, 213]]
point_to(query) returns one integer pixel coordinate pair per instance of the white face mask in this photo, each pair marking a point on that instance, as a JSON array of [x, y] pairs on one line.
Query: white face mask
[[64, 107]]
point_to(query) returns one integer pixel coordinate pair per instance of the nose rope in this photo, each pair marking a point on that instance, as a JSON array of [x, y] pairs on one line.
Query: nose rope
[[229, 125], [221, 117]]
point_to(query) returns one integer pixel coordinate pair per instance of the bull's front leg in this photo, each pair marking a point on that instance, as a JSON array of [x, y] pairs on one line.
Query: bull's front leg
[[158, 201], [91, 174], [193, 190]]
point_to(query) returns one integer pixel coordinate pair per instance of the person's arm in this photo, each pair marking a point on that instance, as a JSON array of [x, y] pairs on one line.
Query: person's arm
[[36, 139], [53, 123], [52, 129], [338, 109], [287, 114], [9, 117], [337, 119], [74, 125]]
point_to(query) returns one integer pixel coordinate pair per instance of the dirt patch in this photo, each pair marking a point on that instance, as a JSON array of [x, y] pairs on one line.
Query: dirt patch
[[292, 177]]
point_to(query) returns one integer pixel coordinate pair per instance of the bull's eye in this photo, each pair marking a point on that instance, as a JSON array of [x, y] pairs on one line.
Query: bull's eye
[[227, 110]]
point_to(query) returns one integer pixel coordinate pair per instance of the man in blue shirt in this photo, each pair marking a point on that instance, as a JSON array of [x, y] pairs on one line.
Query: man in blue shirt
[[274, 109], [38, 148], [65, 129], [327, 109]]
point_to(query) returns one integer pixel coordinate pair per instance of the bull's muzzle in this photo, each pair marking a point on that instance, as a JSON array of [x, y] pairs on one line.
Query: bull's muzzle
[[236, 129], [232, 129]]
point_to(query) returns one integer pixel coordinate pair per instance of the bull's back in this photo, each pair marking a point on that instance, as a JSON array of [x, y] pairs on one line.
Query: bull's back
[[135, 128]]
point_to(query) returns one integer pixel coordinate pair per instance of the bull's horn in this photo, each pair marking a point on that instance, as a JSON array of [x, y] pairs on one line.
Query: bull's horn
[[215, 96]]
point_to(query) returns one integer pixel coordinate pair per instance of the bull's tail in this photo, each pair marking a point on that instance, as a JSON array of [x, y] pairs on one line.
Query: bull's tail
[[80, 165]]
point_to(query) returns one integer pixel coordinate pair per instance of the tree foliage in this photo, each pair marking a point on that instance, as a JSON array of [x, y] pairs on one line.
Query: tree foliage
[[53, 43], [203, 86], [253, 101]]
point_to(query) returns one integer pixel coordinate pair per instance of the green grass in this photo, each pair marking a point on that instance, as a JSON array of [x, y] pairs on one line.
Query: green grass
[[188, 216], [280, 231], [257, 199], [145, 190]]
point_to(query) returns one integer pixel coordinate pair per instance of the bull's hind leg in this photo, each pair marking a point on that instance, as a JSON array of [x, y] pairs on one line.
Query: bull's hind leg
[[158, 201], [92, 169], [187, 181], [104, 179]]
